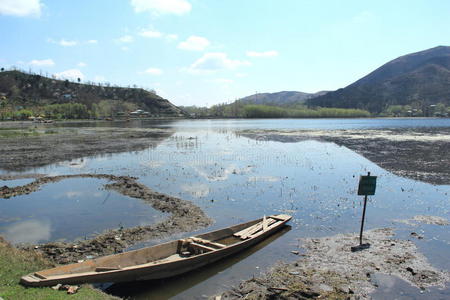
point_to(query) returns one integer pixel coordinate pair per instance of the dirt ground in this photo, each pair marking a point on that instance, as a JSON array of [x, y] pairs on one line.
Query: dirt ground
[[418, 153], [24, 149], [330, 270], [184, 217]]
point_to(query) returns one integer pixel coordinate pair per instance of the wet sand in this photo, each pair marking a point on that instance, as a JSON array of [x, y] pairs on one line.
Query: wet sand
[[184, 217], [417, 153]]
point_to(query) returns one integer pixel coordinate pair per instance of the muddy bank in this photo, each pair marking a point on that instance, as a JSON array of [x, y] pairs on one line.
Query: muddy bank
[[184, 217], [419, 153], [432, 220], [329, 270], [44, 146]]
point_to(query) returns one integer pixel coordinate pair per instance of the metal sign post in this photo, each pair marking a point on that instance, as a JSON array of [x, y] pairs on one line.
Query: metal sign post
[[367, 186]]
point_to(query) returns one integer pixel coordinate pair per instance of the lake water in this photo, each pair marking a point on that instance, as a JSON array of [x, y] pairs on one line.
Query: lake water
[[71, 209], [235, 179]]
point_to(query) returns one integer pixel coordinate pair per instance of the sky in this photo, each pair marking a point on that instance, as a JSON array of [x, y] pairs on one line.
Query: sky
[[204, 52]]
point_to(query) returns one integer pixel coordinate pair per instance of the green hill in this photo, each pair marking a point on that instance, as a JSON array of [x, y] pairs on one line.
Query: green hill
[[418, 81], [19, 90]]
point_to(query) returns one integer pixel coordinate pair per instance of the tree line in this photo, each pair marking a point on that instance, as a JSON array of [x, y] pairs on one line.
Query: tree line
[[241, 110]]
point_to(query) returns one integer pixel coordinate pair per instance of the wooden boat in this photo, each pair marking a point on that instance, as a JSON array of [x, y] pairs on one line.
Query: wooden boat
[[164, 260]]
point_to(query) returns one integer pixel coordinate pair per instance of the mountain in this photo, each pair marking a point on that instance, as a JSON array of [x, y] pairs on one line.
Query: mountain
[[32, 90], [280, 98], [419, 79]]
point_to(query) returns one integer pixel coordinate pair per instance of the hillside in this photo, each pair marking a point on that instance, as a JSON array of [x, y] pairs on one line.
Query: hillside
[[31, 90], [280, 98], [419, 80]]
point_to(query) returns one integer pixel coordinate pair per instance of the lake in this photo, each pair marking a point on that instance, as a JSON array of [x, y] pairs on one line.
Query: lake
[[234, 179]]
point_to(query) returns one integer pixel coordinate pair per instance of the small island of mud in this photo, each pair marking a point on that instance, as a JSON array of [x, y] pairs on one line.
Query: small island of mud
[[417, 153], [330, 270], [30, 147]]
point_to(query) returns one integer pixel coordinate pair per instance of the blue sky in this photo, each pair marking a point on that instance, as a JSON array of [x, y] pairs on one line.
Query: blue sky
[[202, 52]]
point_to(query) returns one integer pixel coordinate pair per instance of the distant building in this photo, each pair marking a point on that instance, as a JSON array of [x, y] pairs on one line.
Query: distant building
[[139, 113]]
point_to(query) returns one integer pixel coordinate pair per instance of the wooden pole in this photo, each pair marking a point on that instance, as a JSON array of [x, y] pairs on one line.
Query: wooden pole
[[362, 221], [363, 216]]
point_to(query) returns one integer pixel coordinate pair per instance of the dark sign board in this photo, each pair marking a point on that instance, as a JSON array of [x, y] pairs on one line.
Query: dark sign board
[[367, 185]]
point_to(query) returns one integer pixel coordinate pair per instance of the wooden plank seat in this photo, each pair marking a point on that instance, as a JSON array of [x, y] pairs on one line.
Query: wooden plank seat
[[39, 275], [207, 242], [273, 225], [106, 269], [280, 217], [200, 247], [264, 225]]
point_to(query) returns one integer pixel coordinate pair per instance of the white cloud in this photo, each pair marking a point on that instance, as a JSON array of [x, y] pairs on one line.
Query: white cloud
[[241, 75], [70, 43], [150, 33], [67, 43], [270, 53], [20, 8], [153, 71], [159, 7], [125, 39], [194, 43], [214, 61], [72, 74], [42, 63], [125, 48], [81, 64]]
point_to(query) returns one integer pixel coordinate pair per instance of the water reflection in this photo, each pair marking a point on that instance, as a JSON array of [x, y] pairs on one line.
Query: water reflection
[[30, 231], [197, 190], [392, 287], [76, 163]]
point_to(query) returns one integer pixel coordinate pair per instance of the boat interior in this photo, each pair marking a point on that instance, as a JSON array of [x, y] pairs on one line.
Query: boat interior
[[171, 251]]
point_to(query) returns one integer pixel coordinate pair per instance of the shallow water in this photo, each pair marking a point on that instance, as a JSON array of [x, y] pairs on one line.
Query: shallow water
[[235, 179], [70, 209]]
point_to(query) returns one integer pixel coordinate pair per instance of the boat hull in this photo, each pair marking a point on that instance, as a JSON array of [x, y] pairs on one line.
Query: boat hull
[[151, 271]]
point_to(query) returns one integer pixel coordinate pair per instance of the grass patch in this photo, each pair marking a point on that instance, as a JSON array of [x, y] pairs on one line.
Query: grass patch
[[15, 263], [23, 133], [13, 133]]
